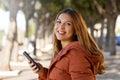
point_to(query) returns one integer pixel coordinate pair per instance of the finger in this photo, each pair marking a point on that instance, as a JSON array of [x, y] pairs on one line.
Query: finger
[[32, 64], [36, 70], [29, 62]]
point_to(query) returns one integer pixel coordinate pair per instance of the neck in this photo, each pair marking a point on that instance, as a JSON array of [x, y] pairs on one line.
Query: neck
[[65, 44]]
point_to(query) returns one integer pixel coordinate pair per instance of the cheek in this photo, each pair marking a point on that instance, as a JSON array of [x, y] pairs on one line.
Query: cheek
[[71, 31], [55, 30]]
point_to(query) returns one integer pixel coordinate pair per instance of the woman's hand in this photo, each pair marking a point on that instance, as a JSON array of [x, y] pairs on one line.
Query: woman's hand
[[39, 70]]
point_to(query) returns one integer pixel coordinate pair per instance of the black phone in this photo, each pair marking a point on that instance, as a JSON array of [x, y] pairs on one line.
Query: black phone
[[30, 59]]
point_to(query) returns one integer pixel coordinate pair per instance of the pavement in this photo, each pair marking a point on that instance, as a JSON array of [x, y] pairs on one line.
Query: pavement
[[113, 68], [22, 71]]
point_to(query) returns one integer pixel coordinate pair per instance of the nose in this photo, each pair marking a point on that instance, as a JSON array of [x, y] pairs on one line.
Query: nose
[[62, 26]]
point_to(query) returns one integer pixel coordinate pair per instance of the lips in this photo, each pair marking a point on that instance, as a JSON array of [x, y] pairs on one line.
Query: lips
[[61, 32]]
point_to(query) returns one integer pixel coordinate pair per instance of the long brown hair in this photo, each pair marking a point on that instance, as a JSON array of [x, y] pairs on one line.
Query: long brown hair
[[82, 36]]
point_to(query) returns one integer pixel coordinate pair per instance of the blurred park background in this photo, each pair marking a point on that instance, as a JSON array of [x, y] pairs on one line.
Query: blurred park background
[[27, 25]]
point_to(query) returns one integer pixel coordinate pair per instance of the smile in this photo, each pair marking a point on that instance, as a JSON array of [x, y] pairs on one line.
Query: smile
[[61, 32]]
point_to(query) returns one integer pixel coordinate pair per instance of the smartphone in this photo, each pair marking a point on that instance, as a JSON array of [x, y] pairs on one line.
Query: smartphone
[[30, 59]]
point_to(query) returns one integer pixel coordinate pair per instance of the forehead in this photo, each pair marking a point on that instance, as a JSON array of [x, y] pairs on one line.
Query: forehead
[[65, 17]]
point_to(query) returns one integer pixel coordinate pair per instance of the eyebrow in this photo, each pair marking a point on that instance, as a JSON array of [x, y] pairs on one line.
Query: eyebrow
[[66, 21]]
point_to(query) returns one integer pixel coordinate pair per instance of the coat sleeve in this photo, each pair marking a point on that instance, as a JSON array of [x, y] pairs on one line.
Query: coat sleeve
[[79, 66]]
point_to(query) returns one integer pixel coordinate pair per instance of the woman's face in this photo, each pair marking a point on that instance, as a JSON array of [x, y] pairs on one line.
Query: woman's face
[[64, 28]]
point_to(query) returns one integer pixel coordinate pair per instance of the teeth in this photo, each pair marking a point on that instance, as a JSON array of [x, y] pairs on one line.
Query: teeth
[[61, 32]]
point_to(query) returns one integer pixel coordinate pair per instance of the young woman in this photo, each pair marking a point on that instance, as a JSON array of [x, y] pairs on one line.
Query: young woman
[[77, 56]]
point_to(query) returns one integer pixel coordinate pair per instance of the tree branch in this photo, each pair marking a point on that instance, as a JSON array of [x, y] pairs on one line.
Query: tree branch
[[99, 7], [114, 6]]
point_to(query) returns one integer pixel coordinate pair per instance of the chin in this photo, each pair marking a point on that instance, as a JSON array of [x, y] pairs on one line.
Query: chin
[[60, 39]]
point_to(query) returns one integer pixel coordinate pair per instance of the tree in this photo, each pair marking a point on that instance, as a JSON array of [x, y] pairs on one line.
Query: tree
[[11, 39], [110, 11], [28, 9], [46, 15]]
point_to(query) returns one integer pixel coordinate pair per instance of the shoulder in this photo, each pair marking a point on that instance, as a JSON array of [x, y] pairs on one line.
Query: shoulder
[[76, 51]]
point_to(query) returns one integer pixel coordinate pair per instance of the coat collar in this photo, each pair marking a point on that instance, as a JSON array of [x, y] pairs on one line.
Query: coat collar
[[63, 52]]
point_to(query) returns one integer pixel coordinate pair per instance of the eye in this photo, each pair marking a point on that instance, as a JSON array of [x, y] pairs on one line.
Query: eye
[[58, 22], [68, 24]]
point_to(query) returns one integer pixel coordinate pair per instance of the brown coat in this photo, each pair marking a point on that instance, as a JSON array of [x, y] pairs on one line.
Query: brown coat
[[73, 63]]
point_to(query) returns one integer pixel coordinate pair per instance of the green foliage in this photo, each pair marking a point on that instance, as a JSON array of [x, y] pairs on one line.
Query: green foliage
[[102, 3], [118, 31], [31, 29], [1, 34], [3, 6], [84, 6], [43, 2], [54, 8]]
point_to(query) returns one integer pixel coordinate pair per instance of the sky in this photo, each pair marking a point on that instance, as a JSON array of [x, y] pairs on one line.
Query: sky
[[4, 20], [118, 25]]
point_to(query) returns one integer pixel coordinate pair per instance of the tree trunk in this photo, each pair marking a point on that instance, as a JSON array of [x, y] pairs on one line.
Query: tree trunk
[[36, 36], [7, 50], [26, 32], [10, 39], [112, 44], [101, 36]]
